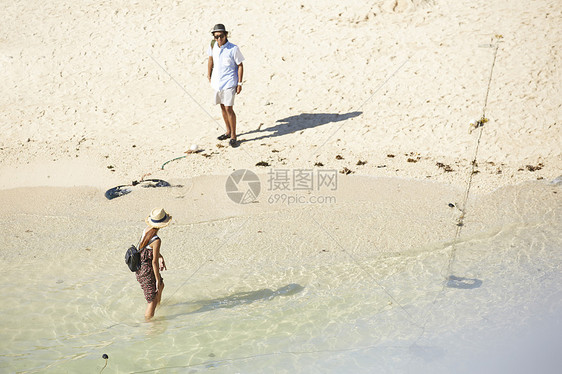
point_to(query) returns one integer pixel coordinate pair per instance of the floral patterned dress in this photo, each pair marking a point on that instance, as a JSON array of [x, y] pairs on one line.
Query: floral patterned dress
[[145, 275]]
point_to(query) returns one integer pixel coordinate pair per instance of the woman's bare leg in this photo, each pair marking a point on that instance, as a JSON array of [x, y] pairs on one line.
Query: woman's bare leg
[[159, 294], [151, 307]]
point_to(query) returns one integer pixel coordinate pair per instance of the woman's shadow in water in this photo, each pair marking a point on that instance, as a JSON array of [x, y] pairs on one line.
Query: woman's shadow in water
[[299, 122], [240, 298]]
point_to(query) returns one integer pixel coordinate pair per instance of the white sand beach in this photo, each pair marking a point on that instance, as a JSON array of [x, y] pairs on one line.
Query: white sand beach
[[94, 85], [346, 278]]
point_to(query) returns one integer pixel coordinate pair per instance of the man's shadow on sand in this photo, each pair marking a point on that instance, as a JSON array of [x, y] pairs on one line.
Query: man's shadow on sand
[[237, 299], [298, 123]]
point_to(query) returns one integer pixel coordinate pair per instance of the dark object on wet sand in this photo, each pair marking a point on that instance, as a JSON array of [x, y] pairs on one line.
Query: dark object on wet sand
[[105, 356], [153, 183], [114, 192], [119, 191], [463, 283], [451, 205], [262, 163]]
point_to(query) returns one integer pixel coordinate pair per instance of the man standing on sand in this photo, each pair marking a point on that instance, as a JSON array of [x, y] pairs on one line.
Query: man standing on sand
[[225, 72]]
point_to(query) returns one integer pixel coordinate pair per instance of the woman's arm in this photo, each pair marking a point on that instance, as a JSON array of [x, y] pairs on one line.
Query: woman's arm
[[162, 263], [155, 260]]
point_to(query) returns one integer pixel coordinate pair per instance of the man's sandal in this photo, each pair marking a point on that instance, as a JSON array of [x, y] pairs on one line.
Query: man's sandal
[[223, 137]]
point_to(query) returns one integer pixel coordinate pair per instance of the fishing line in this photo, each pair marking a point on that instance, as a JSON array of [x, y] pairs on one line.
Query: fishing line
[[205, 262], [473, 164], [184, 90], [410, 318], [214, 363], [196, 102], [460, 224], [361, 106], [460, 221], [173, 159], [105, 357]]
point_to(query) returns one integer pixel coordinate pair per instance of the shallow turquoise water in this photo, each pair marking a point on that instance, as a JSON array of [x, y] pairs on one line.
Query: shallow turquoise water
[[354, 311]]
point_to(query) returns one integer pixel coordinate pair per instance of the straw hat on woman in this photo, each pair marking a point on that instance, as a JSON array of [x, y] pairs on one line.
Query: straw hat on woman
[[152, 262]]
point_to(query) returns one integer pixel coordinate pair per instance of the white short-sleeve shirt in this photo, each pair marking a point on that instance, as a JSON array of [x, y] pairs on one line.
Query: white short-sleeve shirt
[[225, 65]]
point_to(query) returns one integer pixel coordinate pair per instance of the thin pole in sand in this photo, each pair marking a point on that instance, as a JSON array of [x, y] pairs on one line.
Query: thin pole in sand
[[460, 221]]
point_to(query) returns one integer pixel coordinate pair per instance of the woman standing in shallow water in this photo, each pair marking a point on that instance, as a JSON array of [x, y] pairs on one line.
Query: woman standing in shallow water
[[152, 261]]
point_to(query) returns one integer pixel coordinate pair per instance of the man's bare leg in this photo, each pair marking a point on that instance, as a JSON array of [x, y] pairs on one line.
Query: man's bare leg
[[226, 119], [232, 121]]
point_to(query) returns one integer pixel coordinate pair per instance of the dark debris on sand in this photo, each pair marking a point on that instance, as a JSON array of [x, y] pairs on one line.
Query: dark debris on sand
[[445, 167], [534, 168], [412, 157], [346, 171]]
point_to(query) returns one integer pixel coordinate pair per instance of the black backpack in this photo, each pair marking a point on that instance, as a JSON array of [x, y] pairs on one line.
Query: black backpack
[[133, 255]]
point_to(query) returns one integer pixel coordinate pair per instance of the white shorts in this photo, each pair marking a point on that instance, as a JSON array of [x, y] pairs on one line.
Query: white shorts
[[226, 96]]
